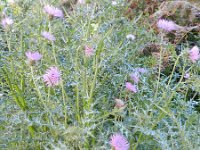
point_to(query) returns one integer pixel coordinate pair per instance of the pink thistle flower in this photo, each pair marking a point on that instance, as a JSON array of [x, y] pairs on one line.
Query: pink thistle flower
[[52, 76], [81, 1], [194, 54], [6, 22], [48, 36], [167, 25], [141, 70], [187, 75], [135, 77], [119, 142], [131, 87], [89, 51], [119, 103], [33, 56], [53, 11]]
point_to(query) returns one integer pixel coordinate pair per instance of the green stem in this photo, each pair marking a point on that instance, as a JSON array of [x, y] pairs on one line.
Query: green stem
[[94, 83], [8, 41], [159, 72], [36, 87], [64, 102], [53, 46], [77, 88], [157, 86], [174, 67]]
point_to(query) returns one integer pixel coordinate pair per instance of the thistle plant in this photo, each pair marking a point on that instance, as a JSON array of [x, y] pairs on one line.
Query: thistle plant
[[75, 79]]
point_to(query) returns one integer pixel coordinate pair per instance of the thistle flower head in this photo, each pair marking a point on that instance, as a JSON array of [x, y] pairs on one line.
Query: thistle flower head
[[167, 25], [114, 3], [194, 54], [131, 87], [52, 76], [48, 36], [89, 51], [130, 37], [187, 75], [53, 11], [119, 103], [81, 1], [33, 56], [141, 70], [119, 142], [6, 22], [135, 77]]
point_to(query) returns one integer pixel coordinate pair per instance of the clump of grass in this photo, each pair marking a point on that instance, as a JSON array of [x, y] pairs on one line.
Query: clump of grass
[[94, 60]]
